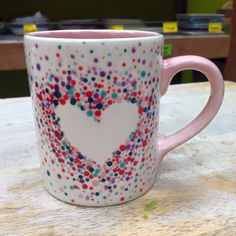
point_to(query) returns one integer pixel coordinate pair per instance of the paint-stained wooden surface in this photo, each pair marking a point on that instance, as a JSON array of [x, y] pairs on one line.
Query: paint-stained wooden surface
[[194, 193]]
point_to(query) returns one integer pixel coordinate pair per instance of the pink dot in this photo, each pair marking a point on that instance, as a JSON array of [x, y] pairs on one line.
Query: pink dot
[[95, 183]]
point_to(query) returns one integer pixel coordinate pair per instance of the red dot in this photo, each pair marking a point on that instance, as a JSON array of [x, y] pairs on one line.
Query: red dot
[[84, 186], [140, 110], [63, 72], [122, 199], [62, 101], [122, 147], [109, 102], [86, 173], [144, 143], [73, 82], [135, 163], [124, 64], [89, 93], [57, 55], [97, 113], [80, 68], [121, 172], [77, 94]]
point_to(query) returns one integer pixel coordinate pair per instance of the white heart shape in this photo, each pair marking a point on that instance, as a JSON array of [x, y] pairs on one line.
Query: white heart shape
[[98, 140]]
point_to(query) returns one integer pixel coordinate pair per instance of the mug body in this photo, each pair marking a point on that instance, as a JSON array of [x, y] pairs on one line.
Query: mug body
[[96, 102]]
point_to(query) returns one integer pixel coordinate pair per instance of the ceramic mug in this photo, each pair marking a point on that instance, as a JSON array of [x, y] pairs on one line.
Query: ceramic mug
[[96, 96]]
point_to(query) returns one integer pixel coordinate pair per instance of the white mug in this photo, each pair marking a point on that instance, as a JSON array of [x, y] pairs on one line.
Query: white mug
[[96, 96]]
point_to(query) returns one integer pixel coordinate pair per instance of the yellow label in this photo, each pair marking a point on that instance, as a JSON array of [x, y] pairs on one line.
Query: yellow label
[[30, 28], [170, 27], [215, 27], [117, 27]]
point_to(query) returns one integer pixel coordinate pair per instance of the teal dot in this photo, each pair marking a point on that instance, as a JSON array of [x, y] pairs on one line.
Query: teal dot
[[90, 113], [71, 187], [133, 100], [103, 93], [109, 54], [71, 92], [122, 164], [125, 90], [126, 72], [116, 193], [135, 180], [109, 163], [104, 197], [143, 73], [72, 101], [114, 95]]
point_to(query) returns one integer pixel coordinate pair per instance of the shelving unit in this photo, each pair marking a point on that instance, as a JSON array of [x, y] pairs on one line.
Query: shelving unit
[[212, 46]]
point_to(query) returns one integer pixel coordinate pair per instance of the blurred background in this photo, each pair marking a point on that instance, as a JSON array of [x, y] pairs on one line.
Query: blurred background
[[200, 27]]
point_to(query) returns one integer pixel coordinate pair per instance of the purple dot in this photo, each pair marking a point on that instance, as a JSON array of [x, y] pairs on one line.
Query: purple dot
[[72, 56], [109, 63], [133, 50], [95, 60], [144, 62], [36, 45], [38, 66], [46, 57], [102, 73], [96, 95]]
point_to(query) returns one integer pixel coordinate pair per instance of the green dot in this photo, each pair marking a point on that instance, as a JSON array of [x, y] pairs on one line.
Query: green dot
[[122, 164], [91, 169], [104, 197], [59, 47], [103, 93], [116, 193], [91, 51], [72, 101], [114, 95], [90, 113], [125, 90], [97, 193], [125, 50], [93, 78], [108, 77], [143, 73], [109, 54], [85, 80]]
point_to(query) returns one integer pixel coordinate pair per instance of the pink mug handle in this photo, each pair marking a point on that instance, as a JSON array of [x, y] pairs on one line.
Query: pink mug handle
[[209, 69]]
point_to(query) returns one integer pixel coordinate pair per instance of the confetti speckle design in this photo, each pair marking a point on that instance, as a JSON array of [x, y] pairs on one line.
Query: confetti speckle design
[[92, 77]]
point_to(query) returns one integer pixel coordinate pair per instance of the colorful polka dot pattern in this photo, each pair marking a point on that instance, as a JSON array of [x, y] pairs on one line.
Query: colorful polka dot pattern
[[92, 77]]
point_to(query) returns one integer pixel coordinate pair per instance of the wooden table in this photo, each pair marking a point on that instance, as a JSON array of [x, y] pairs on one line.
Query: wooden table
[[212, 46], [194, 193]]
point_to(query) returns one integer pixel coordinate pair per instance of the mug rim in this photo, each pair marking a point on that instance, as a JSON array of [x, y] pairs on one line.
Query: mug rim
[[108, 35]]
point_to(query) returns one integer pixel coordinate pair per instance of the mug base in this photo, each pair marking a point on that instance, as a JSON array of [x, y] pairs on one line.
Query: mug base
[[90, 204]]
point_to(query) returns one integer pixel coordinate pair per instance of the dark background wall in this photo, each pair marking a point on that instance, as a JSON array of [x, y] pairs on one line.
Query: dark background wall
[[69, 9], [14, 84]]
